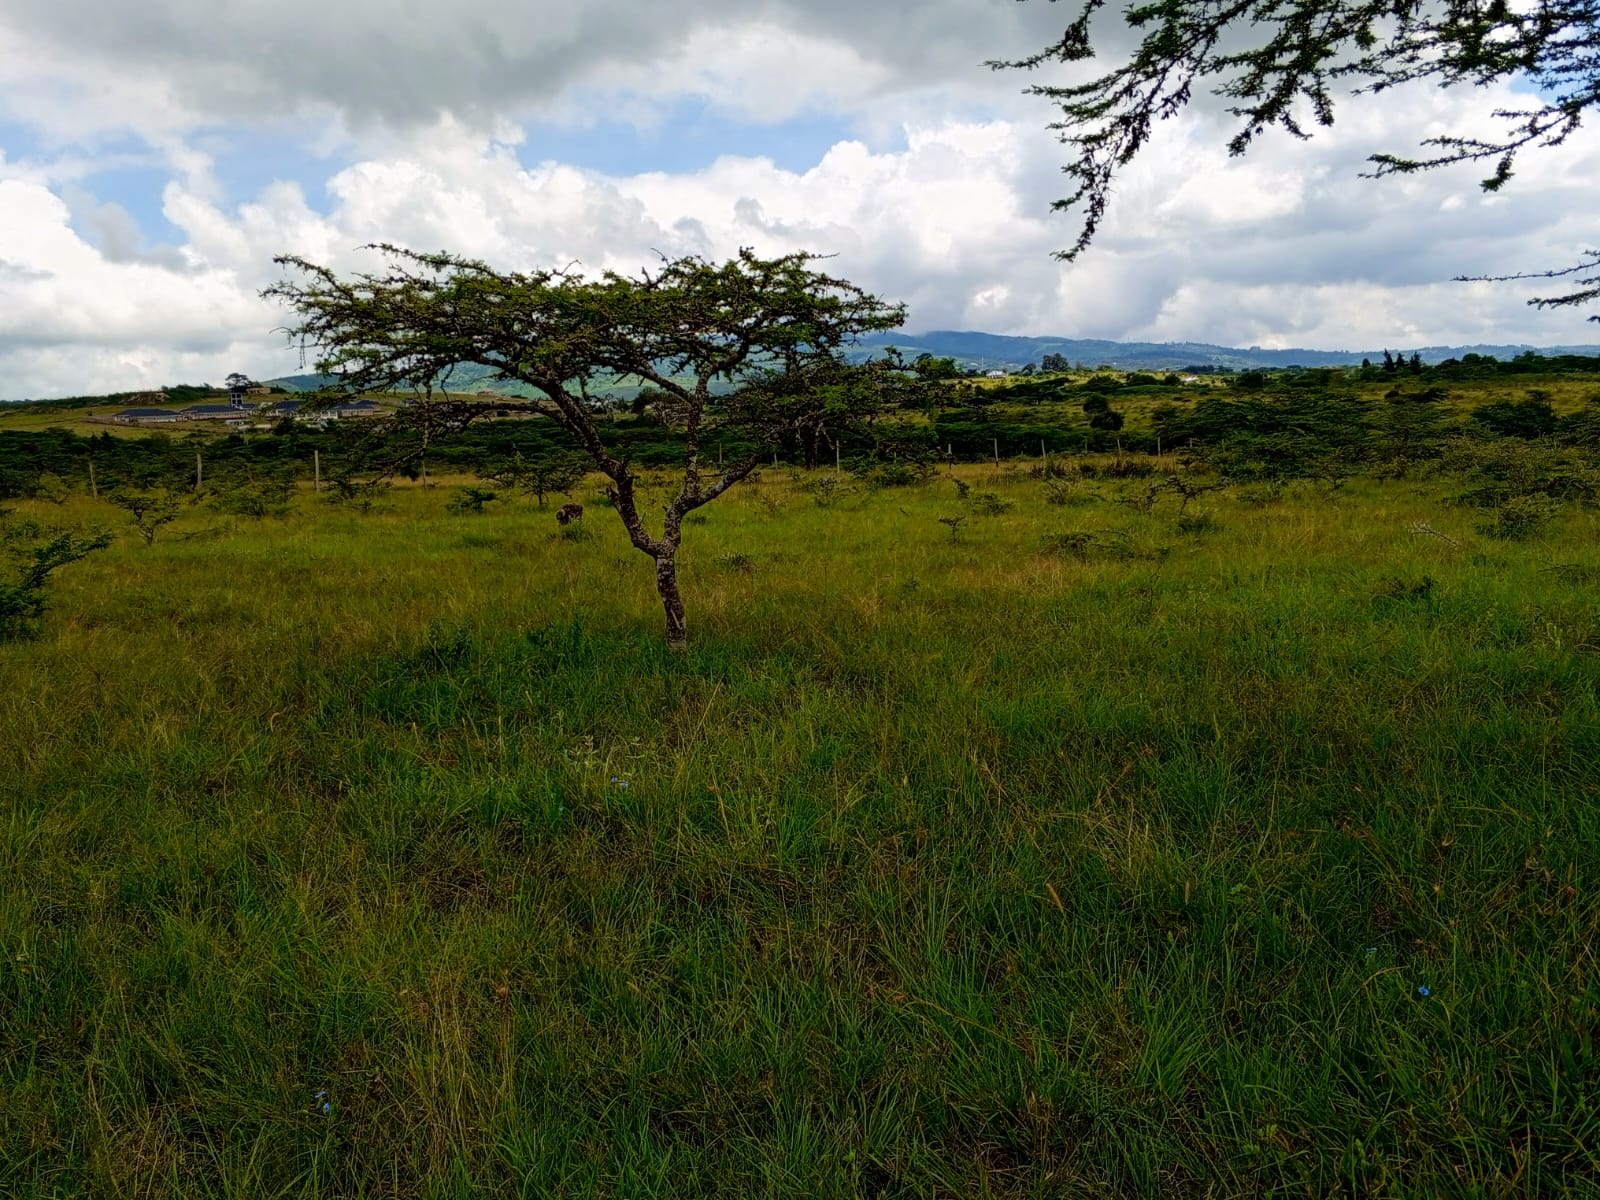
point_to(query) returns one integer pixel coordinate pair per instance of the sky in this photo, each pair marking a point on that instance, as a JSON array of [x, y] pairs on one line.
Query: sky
[[156, 154]]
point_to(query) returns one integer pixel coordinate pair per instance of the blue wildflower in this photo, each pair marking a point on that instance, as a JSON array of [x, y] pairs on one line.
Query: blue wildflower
[[1424, 990]]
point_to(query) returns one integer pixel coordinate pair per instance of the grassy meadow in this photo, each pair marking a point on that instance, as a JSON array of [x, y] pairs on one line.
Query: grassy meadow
[[1064, 850]]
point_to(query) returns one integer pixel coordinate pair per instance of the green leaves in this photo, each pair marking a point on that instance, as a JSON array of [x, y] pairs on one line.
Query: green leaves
[[38, 552], [1293, 53]]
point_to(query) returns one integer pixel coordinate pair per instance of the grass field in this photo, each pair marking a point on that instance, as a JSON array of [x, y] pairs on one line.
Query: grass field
[[1078, 851]]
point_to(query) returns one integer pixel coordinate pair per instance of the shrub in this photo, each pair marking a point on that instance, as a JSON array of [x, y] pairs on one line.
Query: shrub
[[895, 473], [471, 500], [825, 489], [254, 492], [1520, 517], [1085, 544], [1527, 419], [1066, 491], [989, 504], [38, 552], [149, 511]]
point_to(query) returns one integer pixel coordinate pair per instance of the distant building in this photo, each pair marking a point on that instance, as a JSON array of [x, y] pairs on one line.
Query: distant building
[[356, 408], [144, 416], [216, 412]]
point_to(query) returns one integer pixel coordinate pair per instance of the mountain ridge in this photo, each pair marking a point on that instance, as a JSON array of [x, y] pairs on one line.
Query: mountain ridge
[[999, 351]]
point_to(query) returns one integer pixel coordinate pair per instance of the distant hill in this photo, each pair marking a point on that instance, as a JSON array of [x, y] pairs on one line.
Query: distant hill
[[466, 377], [993, 351], [985, 351]]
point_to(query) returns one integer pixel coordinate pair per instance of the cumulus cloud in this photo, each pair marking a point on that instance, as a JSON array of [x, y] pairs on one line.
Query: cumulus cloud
[[168, 63], [937, 194]]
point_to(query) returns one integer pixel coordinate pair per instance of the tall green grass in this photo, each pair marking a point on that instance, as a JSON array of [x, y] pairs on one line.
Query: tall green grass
[[393, 855]]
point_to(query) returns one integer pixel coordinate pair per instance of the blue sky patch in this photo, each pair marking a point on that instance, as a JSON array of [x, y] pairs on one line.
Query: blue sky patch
[[690, 135]]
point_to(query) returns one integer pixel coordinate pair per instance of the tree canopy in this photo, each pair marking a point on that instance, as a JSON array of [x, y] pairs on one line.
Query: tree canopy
[[753, 345], [1278, 63]]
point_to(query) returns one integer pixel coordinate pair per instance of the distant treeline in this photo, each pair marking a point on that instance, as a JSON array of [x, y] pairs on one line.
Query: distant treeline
[[1277, 431], [33, 463]]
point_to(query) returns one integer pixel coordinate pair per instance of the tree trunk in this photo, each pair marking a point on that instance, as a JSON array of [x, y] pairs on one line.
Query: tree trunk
[[671, 601]]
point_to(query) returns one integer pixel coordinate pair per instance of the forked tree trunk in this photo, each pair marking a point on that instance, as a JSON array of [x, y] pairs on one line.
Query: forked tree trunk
[[672, 601]]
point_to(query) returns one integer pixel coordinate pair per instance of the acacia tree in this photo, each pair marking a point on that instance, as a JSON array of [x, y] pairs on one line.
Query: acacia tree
[[753, 345], [1279, 62], [539, 476]]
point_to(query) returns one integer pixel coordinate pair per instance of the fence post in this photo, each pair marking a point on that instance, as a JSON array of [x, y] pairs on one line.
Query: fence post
[[997, 452], [199, 472], [316, 470], [93, 489]]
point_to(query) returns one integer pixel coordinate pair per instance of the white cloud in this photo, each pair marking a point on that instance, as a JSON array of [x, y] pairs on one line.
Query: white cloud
[[168, 64], [943, 201]]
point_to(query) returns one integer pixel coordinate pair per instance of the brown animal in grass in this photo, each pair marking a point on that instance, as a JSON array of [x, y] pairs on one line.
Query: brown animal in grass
[[569, 513]]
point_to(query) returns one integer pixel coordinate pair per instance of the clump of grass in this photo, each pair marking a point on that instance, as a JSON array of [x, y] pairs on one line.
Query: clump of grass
[[1574, 572], [1395, 589], [1198, 523], [1087, 544], [1260, 495]]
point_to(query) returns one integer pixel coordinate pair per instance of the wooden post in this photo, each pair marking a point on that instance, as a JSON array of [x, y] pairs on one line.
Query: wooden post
[[997, 452], [1158, 445], [837, 469], [93, 489], [316, 470], [199, 472], [1044, 455]]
